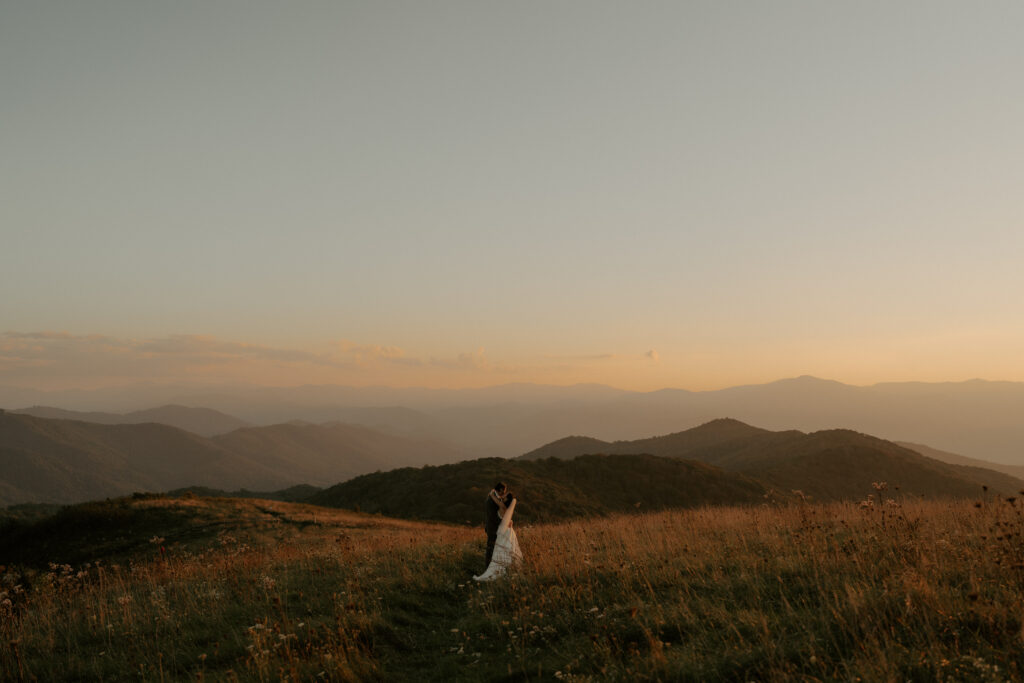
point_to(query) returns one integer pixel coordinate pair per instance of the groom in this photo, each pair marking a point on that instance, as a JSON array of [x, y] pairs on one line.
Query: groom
[[497, 500]]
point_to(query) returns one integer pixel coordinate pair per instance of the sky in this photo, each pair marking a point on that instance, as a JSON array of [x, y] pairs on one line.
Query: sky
[[453, 194]]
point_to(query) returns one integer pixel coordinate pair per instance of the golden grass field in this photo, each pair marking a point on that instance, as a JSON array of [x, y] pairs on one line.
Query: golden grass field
[[883, 591]]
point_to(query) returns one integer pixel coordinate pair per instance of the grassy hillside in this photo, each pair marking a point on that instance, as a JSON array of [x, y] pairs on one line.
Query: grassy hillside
[[292, 494], [829, 465], [27, 512], [259, 591], [124, 529], [547, 490]]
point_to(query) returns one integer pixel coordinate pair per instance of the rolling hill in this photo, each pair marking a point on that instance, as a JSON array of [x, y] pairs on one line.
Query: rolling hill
[[67, 461], [325, 454], [547, 490], [980, 419], [955, 459], [828, 465], [201, 421], [122, 529]]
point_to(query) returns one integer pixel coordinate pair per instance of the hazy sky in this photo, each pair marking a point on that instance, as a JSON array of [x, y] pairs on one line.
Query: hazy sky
[[644, 194]]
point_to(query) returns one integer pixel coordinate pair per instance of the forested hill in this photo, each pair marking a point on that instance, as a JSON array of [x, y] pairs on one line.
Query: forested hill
[[834, 464], [547, 490]]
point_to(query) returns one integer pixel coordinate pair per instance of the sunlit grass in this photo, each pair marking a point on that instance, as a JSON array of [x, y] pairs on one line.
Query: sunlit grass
[[910, 591]]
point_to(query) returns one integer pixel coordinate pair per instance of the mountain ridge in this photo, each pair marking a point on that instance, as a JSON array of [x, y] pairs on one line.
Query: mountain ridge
[[201, 421], [66, 461], [977, 418], [548, 490], [829, 464]]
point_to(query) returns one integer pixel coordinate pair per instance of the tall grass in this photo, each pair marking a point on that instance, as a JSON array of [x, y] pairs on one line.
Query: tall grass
[[881, 591]]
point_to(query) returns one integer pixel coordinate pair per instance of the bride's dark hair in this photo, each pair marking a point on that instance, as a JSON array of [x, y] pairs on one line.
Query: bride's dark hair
[[500, 486]]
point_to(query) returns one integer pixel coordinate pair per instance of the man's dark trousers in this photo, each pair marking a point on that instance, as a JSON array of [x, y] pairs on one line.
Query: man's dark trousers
[[492, 536], [491, 523]]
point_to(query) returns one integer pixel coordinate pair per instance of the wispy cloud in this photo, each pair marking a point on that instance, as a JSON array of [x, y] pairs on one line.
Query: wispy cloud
[[475, 360], [52, 359], [44, 356], [60, 358], [364, 354], [585, 357]]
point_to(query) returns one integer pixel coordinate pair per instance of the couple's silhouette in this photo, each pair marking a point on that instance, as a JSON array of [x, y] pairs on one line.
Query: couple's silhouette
[[502, 544]]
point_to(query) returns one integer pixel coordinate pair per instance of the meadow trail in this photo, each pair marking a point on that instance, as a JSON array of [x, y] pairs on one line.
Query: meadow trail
[[885, 590]]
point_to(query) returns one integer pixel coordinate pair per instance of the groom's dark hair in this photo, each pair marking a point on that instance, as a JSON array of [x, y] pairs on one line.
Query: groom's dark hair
[[500, 486]]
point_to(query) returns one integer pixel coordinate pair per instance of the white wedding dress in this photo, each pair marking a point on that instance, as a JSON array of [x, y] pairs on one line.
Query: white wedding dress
[[506, 548]]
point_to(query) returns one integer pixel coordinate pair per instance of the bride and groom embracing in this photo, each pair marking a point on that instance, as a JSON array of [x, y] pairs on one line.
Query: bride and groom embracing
[[502, 544]]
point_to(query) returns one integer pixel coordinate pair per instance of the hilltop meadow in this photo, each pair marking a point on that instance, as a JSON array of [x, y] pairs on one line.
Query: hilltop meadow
[[225, 589]]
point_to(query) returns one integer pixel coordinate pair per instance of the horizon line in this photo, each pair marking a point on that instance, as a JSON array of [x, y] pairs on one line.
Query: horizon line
[[413, 387]]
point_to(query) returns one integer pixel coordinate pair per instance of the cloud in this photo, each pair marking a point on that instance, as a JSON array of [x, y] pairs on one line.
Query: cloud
[[368, 353], [37, 335], [61, 360], [594, 356], [474, 360], [210, 350], [58, 356]]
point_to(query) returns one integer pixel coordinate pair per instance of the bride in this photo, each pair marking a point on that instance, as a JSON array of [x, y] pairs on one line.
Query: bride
[[506, 548]]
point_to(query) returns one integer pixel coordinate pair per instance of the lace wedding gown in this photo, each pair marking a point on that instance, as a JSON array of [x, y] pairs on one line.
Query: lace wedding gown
[[506, 548]]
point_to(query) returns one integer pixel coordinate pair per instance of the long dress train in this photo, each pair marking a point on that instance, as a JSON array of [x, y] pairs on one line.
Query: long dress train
[[506, 548]]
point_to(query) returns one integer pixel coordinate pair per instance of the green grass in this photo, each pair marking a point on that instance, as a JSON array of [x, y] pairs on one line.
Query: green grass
[[276, 591]]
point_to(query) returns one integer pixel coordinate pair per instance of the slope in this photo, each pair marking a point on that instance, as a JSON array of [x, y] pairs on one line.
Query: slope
[[66, 461], [830, 465], [201, 421], [547, 490], [62, 461], [955, 459], [326, 454]]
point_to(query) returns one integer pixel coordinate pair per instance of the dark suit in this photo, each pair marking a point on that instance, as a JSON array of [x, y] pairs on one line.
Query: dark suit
[[492, 520]]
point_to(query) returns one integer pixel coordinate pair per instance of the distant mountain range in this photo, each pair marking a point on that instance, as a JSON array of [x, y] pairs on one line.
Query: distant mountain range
[[65, 461], [827, 465], [46, 460], [720, 462], [201, 421], [978, 419], [954, 459]]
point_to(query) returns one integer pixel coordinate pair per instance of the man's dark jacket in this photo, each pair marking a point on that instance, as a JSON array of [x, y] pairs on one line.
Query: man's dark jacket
[[493, 519]]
